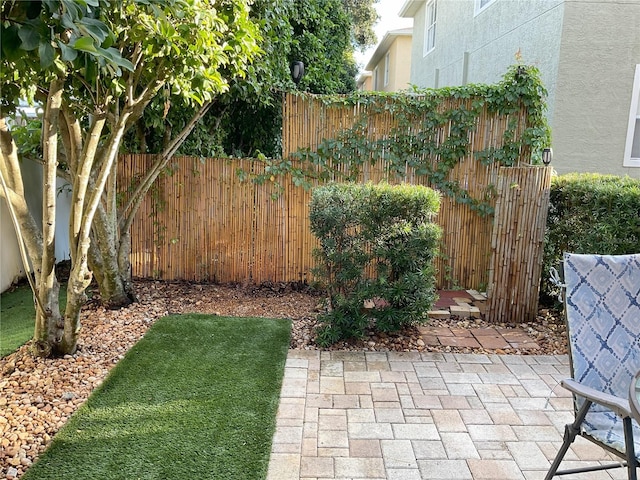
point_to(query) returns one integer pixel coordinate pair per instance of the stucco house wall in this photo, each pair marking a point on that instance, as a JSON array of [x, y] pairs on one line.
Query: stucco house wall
[[586, 64], [364, 82], [400, 64], [11, 268], [10, 265], [397, 44], [599, 52]]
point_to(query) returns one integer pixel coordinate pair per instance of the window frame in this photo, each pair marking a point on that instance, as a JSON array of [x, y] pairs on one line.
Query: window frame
[[431, 10], [633, 126], [375, 78], [387, 61], [479, 8]]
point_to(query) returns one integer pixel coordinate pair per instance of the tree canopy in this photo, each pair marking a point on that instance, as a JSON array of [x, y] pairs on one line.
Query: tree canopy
[[96, 65], [322, 34]]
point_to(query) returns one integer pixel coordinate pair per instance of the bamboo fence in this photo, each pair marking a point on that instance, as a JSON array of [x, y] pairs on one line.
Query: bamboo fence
[[465, 248], [517, 243], [204, 224]]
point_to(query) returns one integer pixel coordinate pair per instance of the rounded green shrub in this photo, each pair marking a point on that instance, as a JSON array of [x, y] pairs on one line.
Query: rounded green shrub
[[590, 213], [377, 247]]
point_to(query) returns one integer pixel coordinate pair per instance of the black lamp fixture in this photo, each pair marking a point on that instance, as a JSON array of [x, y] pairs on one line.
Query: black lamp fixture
[[297, 71], [547, 155]]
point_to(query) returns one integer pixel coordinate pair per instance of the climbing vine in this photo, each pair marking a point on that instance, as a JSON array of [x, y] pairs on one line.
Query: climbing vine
[[431, 133]]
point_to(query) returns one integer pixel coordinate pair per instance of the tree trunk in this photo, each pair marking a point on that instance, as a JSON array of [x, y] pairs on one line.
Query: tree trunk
[[115, 286], [49, 326], [79, 279]]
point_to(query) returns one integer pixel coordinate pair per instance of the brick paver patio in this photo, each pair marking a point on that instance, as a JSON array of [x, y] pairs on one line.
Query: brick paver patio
[[355, 415]]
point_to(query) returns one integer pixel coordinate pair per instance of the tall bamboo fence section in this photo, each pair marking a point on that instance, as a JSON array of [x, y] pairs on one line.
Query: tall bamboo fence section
[[203, 224], [465, 250], [517, 243]]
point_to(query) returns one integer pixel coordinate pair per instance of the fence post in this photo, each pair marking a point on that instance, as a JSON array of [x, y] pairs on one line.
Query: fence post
[[517, 243]]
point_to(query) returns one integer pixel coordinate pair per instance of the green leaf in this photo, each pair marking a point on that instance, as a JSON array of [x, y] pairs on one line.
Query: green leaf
[[85, 44], [66, 53], [115, 58], [30, 38], [47, 54], [95, 28], [10, 42]]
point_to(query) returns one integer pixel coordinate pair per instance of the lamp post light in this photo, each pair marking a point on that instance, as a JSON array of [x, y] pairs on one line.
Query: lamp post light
[[547, 156], [297, 71]]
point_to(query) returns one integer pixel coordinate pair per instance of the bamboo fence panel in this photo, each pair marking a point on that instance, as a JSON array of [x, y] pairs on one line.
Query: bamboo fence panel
[[465, 247], [204, 224], [517, 243]]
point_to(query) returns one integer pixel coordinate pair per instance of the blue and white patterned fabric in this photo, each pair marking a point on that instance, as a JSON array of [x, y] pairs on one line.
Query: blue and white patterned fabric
[[603, 320]]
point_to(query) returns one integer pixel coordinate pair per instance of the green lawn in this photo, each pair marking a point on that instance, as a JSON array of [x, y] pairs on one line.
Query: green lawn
[[196, 398], [17, 317]]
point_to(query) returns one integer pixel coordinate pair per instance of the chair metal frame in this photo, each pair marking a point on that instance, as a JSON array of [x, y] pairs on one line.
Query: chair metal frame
[[590, 397]]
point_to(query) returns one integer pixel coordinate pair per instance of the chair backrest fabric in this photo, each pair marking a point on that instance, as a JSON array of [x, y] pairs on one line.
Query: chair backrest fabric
[[603, 319]]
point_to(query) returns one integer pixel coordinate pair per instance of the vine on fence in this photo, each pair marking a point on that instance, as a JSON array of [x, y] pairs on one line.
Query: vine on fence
[[414, 140]]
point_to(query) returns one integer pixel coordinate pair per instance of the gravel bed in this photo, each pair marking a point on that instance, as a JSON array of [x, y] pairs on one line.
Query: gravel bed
[[39, 395]]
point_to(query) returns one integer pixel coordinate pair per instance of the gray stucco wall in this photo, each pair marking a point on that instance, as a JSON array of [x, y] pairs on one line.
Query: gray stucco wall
[[600, 49], [586, 51], [492, 41], [503, 34]]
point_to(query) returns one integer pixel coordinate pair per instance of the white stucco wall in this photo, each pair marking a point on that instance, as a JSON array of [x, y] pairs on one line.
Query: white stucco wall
[[10, 262], [595, 81], [10, 265]]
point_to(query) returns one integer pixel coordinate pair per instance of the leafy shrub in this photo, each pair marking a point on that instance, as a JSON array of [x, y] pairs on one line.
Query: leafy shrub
[[377, 244], [590, 213]]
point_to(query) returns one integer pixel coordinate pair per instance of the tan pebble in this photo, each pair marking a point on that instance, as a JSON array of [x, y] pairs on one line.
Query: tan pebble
[[11, 451]]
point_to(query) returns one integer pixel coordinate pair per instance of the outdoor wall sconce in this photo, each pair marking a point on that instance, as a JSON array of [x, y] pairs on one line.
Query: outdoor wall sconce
[[297, 71], [547, 155]]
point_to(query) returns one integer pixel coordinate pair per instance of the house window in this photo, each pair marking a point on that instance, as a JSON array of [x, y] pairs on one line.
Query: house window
[[386, 69], [632, 147], [481, 5], [375, 78], [430, 27]]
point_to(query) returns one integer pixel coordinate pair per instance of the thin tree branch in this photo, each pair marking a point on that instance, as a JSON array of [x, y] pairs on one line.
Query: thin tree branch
[[131, 208]]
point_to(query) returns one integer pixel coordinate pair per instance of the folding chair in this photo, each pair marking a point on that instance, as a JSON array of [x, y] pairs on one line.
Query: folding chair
[[602, 311]]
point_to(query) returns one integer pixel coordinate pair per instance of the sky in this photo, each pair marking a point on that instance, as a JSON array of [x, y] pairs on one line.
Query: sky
[[389, 20]]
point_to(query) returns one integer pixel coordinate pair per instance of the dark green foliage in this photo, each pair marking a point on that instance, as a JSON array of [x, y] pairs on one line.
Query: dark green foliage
[[386, 231], [363, 16], [590, 213], [196, 398], [247, 120]]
